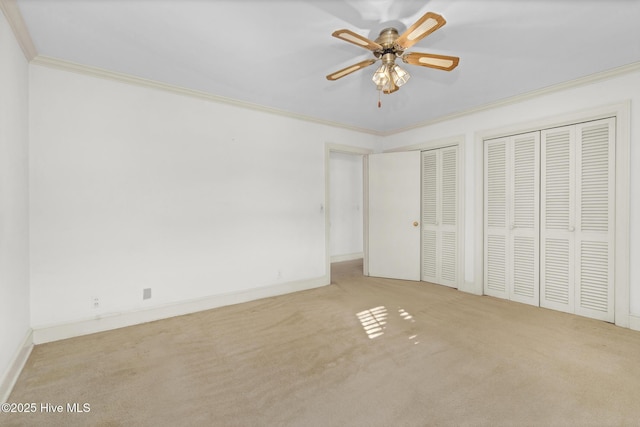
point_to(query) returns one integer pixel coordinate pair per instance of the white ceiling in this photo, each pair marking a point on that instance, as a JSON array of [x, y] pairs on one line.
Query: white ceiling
[[277, 53]]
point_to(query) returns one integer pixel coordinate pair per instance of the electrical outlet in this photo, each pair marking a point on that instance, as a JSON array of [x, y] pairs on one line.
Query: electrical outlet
[[96, 302], [146, 293]]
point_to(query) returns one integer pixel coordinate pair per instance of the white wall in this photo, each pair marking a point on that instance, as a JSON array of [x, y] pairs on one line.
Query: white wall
[[14, 263], [601, 93], [346, 197], [133, 187]]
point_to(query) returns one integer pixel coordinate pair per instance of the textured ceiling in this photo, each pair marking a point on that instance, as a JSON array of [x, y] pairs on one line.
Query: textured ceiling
[[276, 53]]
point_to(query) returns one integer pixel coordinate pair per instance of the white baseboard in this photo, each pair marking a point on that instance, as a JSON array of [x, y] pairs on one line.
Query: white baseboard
[[8, 380], [347, 257], [470, 287], [634, 322], [121, 320]]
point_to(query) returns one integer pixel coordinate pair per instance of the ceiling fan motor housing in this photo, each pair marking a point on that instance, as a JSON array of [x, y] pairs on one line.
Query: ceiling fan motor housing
[[387, 39]]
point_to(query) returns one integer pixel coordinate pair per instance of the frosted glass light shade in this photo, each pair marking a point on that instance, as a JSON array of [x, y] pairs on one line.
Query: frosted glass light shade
[[381, 77], [399, 75]]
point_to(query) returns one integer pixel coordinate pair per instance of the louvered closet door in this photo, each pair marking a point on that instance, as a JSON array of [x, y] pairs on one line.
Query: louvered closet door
[[430, 201], [557, 224], [449, 216], [578, 191], [495, 218], [594, 242], [511, 191], [440, 216], [524, 208]]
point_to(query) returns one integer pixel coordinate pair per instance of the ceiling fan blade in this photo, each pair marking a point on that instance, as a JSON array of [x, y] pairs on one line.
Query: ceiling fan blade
[[357, 39], [350, 69], [423, 27], [441, 62]]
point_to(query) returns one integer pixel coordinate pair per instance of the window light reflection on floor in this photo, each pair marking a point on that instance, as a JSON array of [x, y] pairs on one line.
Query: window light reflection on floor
[[405, 315], [373, 321]]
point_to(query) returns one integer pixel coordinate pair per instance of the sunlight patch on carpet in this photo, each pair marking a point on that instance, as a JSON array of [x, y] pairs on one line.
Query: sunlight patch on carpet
[[373, 321], [405, 315]]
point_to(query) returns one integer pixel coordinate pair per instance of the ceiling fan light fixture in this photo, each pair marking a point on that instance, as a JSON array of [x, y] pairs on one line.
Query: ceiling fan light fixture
[[389, 46], [389, 75], [399, 75], [381, 77]]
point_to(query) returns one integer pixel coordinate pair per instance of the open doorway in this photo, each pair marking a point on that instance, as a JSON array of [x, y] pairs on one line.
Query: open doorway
[[346, 199], [345, 203]]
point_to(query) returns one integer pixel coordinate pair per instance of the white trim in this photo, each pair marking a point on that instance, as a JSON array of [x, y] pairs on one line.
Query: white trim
[[478, 283], [16, 22], [582, 81], [153, 84], [98, 72], [431, 145], [459, 141], [347, 257], [121, 77], [622, 261], [345, 149], [8, 380], [622, 294], [135, 317], [634, 323], [19, 28], [365, 212], [548, 122]]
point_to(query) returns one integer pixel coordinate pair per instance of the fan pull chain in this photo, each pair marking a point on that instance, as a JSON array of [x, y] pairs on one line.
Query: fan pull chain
[[379, 101]]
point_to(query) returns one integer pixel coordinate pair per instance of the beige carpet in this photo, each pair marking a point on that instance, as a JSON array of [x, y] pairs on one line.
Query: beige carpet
[[360, 352]]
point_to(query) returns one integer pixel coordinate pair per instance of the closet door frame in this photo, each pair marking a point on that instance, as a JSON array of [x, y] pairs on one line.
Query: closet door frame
[[458, 141], [621, 112]]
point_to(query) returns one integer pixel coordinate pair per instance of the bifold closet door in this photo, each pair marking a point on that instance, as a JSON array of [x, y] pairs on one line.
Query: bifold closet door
[[511, 218], [577, 224], [440, 216]]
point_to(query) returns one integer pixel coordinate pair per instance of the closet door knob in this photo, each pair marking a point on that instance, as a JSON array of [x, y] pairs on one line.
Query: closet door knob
[[415, 223]]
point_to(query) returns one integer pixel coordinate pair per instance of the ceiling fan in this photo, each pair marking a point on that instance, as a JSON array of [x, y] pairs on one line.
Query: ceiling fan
[[390, 45]]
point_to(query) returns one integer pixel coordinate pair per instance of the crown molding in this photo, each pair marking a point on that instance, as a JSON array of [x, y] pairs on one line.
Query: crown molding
[[14, 18], [582, 81], [126, 78], [139, 81], [19, 28]]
